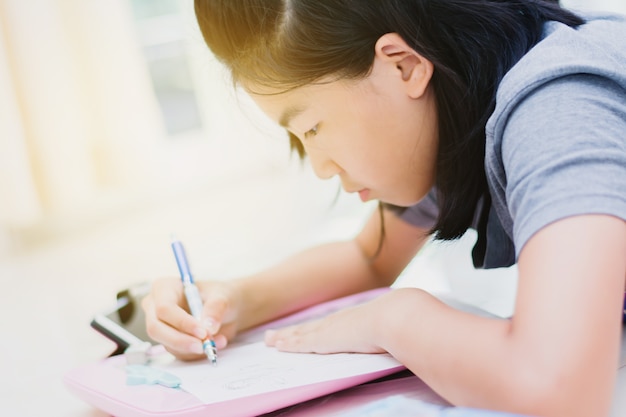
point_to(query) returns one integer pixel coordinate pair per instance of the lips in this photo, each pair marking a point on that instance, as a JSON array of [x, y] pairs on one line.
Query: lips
[[364, 194]]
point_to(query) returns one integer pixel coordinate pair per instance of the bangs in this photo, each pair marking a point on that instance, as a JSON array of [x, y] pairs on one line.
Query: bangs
[[283, 45]]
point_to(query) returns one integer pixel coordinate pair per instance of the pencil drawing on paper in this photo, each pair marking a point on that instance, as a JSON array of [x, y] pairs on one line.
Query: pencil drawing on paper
[[257, 374]]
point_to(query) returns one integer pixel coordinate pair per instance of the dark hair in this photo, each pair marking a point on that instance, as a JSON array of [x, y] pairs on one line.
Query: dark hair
[[471, 43]]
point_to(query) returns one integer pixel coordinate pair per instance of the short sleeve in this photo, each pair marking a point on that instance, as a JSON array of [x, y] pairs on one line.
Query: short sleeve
[[563, 152]]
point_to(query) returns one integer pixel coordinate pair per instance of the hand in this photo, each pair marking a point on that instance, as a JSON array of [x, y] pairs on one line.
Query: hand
[[353, 329], [169, 322]]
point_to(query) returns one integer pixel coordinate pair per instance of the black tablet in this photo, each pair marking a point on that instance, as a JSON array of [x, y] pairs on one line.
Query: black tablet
[[124, 324]]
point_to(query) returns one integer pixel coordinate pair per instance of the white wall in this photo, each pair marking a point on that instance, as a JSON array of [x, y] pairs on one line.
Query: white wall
[[604, 5]]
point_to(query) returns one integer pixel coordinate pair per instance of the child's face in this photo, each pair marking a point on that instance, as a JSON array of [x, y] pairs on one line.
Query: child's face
[[378, 140]]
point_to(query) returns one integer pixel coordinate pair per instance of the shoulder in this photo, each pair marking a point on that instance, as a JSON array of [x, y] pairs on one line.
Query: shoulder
[[555, 143], [596, 48]]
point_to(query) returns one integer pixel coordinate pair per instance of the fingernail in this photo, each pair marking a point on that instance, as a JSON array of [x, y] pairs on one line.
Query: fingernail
[[269, 334], [196, 348], [210, 325], [200, 332]]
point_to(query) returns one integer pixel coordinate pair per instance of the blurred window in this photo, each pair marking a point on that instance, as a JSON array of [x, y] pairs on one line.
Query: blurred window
[[162, 35]]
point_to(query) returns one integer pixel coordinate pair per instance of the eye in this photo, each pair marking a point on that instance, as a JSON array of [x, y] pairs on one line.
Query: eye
[[311, 133]]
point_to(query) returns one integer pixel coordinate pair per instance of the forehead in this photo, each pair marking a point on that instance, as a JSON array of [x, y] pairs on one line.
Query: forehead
[[283, 106]]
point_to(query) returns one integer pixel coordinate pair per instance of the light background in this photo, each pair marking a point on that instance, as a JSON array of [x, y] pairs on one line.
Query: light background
[[99, 164]]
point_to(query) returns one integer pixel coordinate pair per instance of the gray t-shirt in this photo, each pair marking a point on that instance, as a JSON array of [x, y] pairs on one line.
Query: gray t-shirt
[[556, 141]]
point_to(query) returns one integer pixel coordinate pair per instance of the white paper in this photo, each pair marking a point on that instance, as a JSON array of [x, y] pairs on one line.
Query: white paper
[[249, 367], [254, 368]]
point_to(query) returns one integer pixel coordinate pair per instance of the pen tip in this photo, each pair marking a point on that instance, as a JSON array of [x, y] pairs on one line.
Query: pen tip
[[173, 237], [211, 351]]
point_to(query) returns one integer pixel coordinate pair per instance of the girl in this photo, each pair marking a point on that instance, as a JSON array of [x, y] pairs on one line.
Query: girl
[[508, 116]]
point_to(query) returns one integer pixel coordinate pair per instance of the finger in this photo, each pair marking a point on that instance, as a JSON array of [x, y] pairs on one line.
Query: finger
[[179, 343], [274, 335], [270, 337], [221, 341], [215, 310], [300, 338], [187, 352], [167, 298]]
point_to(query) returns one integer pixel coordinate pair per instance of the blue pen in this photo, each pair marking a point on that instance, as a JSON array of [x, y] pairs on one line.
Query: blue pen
[[193, 297]]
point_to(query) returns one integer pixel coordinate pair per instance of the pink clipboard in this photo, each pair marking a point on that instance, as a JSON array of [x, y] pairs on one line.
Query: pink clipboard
[[103, 384]]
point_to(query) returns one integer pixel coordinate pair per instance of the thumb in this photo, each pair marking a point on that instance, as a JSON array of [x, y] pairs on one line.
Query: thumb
[[214, 311]]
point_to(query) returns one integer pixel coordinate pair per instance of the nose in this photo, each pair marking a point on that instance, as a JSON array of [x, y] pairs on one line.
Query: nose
[[323, 166]]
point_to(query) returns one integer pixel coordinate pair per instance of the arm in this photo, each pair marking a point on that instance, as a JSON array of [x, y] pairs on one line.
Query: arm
[[558, 355], [315, 275], [330, 271]]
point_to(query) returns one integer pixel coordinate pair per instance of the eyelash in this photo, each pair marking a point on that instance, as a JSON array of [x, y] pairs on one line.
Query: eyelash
[[311, 133]]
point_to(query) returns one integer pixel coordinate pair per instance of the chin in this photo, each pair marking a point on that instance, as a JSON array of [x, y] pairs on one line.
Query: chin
[[396, 202], [403, 202]]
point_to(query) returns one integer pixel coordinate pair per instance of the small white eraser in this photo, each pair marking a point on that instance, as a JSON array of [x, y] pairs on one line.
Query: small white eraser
[[137, 354]]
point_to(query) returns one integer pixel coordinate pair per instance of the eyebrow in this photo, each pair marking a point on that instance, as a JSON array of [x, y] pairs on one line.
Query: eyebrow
[[288, 115]]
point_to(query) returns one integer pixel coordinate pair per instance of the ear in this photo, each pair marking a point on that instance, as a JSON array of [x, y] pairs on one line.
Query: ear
[[415, 70]]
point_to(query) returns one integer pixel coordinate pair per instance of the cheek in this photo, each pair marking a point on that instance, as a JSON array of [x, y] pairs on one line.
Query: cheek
[[372, 143], [383, 132]]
